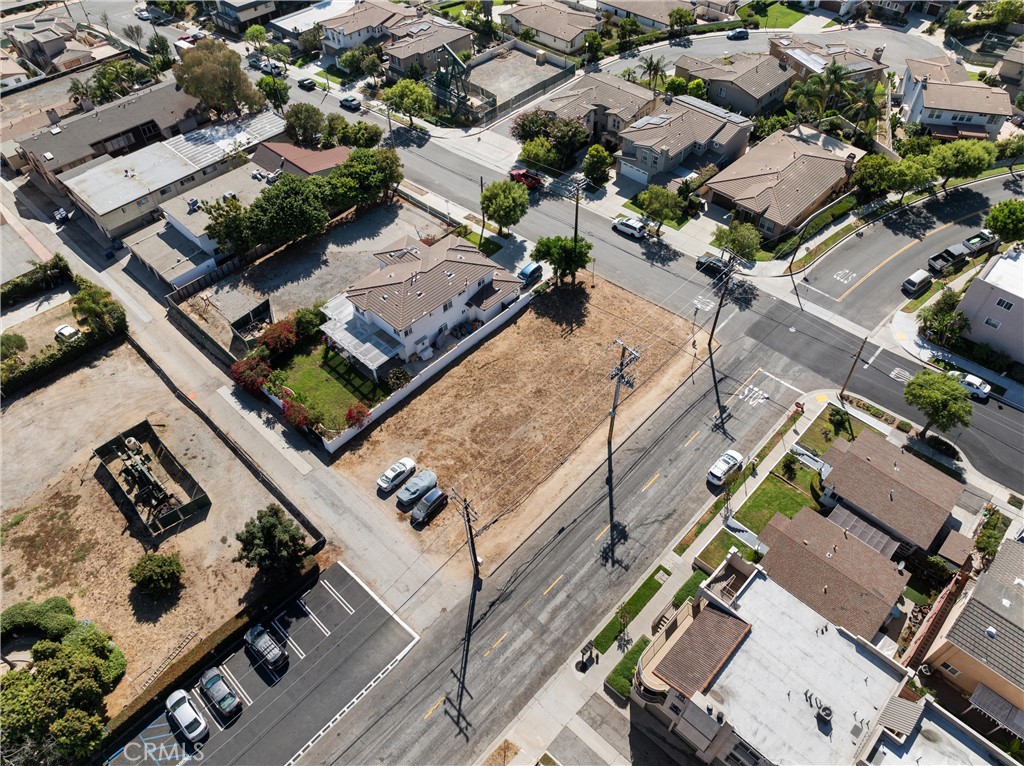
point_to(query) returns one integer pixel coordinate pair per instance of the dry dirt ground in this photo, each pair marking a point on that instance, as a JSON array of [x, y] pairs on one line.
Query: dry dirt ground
[[38, 331], [501, 423], [71, 539]]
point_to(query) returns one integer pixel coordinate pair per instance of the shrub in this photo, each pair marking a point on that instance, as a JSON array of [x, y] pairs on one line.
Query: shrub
[[43, 277], [278, 337], [621, 677], [296, 413], [942, 446], [54, 618], [398, 378], [905, 426], [252, 371], [10, 344], [272, 542], [358, 415], [815, 225], [789, 462], [992, 531], [1016, 501], [157, 574], [308, 320]]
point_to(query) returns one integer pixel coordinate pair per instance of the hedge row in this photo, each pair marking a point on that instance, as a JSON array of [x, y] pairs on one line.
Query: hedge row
[[689, 588], [621, 677], [207, 652], [816, 224], [43, 277], [655, 37], [634, 604], [54, 618]]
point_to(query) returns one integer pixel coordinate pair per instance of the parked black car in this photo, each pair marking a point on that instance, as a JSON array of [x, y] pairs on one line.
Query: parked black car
[[428, 507], [306, 84]]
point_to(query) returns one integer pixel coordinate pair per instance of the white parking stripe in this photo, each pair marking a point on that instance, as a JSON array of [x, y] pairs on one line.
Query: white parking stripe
[[288, 639], [237, 687], [210, 715], [316, 621], [337, 596]]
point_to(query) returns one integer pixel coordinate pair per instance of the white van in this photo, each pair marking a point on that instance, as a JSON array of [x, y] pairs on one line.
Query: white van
[[917, 282]]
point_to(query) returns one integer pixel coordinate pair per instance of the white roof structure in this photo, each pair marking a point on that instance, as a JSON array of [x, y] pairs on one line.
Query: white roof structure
[[936, 738], [307, 18], [792, 661], [1007, 271]]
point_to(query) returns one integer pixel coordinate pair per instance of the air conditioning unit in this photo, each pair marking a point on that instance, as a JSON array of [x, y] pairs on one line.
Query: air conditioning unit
[[193, 204]]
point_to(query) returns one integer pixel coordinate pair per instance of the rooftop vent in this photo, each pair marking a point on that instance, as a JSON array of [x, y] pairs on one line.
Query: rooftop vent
[[990, 632], [449, 274], [193, 204], [55, 130], [825, 713], [47, 156], [419, 293]]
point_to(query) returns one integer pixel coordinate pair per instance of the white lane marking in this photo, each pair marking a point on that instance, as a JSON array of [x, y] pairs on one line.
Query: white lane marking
[[236, 685], [704, 304], [873, 357], [780, 380], [752, 395], [206, 706], [845, 276], [288, 639], [338, 597], [901, 375], [316, 620]]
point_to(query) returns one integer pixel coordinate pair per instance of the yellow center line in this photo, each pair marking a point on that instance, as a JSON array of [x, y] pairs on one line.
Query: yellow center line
[[552, 585], [936, 230], [528, 602], [653, 479], [431, 711], [495, 645], [601, 534], [691, 438]]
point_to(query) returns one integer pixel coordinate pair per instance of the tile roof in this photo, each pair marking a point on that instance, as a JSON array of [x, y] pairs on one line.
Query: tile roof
[[781, 176], [684, 122], [1015, 54], [756, 75], [694, 660], [307, 160], [9, 67], [938, 69], [835, 574], [655, 10], [553, 18], [971, 96], [617, 96], [900, 490], [816, 57], [369, 14], [997, 602], [417, 36], [165, 104], [403, 292]]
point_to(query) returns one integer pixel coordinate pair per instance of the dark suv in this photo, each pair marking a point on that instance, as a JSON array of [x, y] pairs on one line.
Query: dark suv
[[428, 507], [265, 648], [709, 264]]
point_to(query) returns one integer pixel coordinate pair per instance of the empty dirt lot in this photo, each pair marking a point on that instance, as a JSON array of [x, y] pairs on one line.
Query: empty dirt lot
[[63, 534], [501, 421]]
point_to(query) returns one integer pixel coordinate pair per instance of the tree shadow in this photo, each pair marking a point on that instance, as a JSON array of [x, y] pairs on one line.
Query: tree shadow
[[742, 293], [617, 535], [658, 252], [148, 609], [567, 306], [406, 137], [915, 221], [623, 641]]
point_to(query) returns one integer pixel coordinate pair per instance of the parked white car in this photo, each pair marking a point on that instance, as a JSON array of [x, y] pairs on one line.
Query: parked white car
[[66, 332], [634, 227], [186, 715], [729, 463], [975, 386], [396, 474]]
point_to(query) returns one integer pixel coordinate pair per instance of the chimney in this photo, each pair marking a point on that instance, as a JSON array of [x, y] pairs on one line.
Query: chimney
[[825, 590], [924, 82], [850, 159], [877, 55]]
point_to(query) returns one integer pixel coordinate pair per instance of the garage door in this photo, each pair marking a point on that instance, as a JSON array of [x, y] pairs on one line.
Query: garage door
[[633, 172]]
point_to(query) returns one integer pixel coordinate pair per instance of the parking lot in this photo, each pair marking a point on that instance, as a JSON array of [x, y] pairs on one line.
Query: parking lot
[[341, 641]]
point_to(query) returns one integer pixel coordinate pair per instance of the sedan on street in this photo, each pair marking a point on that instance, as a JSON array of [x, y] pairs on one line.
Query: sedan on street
[[396, 474], [351, 103], [306, 84], [142, 15], [738, 34], [266, 649], [634, 227], [186, 716], [709, 264], [974, 385]]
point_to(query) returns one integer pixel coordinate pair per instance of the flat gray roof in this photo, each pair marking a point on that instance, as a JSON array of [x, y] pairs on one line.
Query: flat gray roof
[[792, 661], [239, 181], [166, 250], [937, 738], [208, 145]]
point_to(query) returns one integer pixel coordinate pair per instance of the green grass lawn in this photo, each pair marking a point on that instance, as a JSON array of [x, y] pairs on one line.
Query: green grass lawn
[[689, 588], [634, 604], [816, 441], [716, 551], [487, 246], [917, 590], [677, 225], [776, 15], [621, 677], [330, 385], [773, 496], [834, 23]]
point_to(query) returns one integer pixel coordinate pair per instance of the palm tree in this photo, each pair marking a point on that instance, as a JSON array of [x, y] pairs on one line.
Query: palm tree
[[79, 90], [629, 74], [653, 69], [829, 89], [92, 305], [862, 105]]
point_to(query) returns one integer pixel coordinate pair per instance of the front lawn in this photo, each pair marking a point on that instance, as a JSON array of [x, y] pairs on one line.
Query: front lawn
[[487, 246], [772, 15], [634, 604], [773, 496], [330, 384], [631, 206], [821, 433], [621, 677], [716, 551]]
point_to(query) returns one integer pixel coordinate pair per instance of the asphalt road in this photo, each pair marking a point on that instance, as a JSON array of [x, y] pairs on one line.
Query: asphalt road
[[860, 279], [122, 13]]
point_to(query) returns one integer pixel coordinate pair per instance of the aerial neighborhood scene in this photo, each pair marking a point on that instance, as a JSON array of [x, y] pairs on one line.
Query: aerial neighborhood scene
[[512, 382]]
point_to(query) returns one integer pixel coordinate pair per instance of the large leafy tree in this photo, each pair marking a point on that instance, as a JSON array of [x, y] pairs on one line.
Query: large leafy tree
[[592, 45], [156, 573], [272, 543], [565, 255], [157, 45], [942, 322], [965, 158], [629, 28], [539, 154], [504, 202], [697, 88], [368, 175], [873, 174], [940, 398], [411, 98], [679, 19], [1007, 220], [229, 226], [212, 73], [256, 36], [908, 174], [660, 204], [274, 90], [530, 125], [567, 136], [303, 123], [1011, 149], [309, 41], [596, 165], [290, 209], [743, 239]]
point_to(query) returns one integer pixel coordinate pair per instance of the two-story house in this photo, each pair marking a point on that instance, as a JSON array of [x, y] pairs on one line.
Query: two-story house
[[421, 41], [680, 129], [236, 16], [806, 58], [12, 73], [746, 84], [950, 107], [1010, 69], [419, 294], [554, 24], [51, 42], [655, 13], [994, 304], [365, 23], [117, 128], [607, 105]]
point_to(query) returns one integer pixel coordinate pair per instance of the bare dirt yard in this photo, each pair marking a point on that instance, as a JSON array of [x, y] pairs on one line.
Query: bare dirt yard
[[305, 272], [504, 425], [64, 536]]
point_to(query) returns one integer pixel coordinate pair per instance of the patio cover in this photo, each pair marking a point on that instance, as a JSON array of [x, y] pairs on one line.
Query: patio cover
[[864, 531], [1000, 710], [370, 345]]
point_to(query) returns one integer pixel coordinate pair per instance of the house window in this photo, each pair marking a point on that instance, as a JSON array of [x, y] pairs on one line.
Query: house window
[[949, 669], [211, 169], [654, 161], [995, 324], [993, 119], [407, 332], [675, 709], [1004, 304], [480, 282], [447, 305], [185, 181], [766, 225], [442, 329], [166, 190], [934, 114], [142, 202], [721, 91], [643, 156], [615, 123]]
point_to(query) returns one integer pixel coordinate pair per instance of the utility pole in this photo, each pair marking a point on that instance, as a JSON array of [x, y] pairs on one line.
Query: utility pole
[[711, 351], [483, 215], [853, 366], [619, 374], [391, 130], [468, 516], [576, 225]]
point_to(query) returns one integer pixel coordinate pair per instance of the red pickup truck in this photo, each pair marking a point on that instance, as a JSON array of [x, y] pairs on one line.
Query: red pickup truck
[[525, 177]]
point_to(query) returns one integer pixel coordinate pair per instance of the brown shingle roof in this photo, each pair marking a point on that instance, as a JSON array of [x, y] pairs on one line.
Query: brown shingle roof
[[369, 14], [555, 19], [615, 95], [938, 69], [417, 36], [686, 121], [972, 96], [957, 548], [694, 660], [898, 489], [403, 292], [309, 161], [836, 575], [755, 75], [781, 176]]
